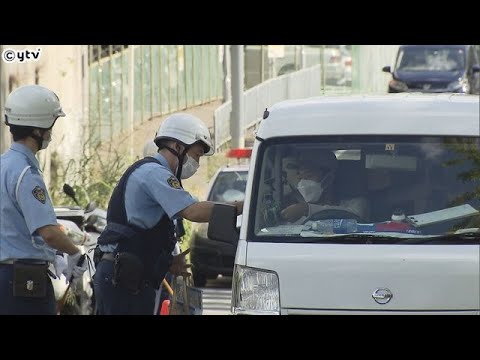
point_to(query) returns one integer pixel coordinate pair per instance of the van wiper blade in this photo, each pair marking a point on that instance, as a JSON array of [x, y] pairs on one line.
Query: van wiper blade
[[355, 238], [466, 238]]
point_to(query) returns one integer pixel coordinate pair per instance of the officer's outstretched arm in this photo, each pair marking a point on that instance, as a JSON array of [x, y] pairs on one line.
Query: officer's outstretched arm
[[202, 210], [198, 212], [56, 238]]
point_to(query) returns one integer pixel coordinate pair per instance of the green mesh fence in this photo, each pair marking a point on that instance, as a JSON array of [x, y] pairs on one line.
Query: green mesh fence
[[167, 78]]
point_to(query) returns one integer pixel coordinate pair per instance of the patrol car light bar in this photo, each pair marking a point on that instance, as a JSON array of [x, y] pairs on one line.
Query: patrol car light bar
[[240, 153]]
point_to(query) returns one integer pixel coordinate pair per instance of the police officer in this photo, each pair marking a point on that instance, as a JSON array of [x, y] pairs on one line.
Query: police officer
[[29, 233], [150, 149], [139, 237]]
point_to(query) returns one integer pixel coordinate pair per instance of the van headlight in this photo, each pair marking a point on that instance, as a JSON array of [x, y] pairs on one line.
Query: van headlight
[[398, 85], [459, 86], [255, 292]]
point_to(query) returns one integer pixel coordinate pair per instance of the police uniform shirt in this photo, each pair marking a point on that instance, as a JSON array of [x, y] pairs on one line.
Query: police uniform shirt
[[23, 210], [152, 190]]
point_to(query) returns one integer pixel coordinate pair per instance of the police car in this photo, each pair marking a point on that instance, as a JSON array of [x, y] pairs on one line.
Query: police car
[[398, 233], [211, 258]]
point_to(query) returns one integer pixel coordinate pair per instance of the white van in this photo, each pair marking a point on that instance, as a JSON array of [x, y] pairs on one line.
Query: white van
[[399, 232]]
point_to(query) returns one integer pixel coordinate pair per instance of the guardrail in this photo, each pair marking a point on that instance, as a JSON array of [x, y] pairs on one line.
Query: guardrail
[[299, 84]]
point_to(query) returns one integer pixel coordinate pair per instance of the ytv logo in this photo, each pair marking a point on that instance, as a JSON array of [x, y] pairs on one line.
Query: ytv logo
[[11, 55]]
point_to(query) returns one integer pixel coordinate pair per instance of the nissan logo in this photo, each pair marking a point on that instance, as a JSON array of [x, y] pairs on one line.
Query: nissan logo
[[382, 295]]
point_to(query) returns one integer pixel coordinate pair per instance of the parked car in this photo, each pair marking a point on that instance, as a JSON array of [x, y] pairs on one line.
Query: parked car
[[337, 66], [211, 258], [337, 62], [435, 68], [346, 61]]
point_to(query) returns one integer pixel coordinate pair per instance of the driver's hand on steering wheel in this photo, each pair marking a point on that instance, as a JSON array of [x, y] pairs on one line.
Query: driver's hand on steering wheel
[[294, 212]]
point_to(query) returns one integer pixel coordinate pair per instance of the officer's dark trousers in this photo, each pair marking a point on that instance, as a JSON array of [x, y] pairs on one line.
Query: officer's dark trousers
[[10, 305], [112, 300]]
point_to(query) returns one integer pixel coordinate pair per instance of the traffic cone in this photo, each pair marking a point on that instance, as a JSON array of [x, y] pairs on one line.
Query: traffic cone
[[165, 307]]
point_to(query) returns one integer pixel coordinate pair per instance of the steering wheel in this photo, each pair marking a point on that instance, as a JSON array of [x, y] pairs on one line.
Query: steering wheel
[[334, 214]]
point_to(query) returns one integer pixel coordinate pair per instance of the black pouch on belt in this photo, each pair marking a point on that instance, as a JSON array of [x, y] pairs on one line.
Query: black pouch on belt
[[128, 272], [97, 255], [30, 279]]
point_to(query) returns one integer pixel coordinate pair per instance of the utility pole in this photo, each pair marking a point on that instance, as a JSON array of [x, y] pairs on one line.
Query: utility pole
[[227, 79], [236, 120], [304, 57], [131, 94], [322, 61], [262, 62]]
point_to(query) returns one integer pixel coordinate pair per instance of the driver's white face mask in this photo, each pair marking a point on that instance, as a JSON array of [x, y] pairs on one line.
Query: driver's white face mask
[[189, 167], [312, 190]]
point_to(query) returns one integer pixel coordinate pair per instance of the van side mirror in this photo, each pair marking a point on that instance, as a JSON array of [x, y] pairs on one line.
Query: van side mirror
[[387, 69], [223, 224], [475, 68]]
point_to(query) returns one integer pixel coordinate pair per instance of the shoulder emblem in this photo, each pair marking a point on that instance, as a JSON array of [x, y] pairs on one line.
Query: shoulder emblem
[[39, 194], [173, 182]]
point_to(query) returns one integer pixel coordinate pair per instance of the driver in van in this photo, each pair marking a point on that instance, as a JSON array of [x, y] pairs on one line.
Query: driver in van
[[317, 171]]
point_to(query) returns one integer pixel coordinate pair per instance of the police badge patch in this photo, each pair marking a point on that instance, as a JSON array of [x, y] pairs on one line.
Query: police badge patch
[[173, 182], [39, 194]]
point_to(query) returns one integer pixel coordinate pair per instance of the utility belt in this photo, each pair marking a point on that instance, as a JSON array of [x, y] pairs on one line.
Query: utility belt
[[30, 277], [141, 256], [129, 271], [31, 261]]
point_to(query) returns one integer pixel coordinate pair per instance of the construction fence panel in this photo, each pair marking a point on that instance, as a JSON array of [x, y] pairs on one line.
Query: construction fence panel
[[166, 79]]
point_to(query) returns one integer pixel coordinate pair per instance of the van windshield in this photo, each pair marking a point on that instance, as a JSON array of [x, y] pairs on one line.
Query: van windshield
[[394, 188], [414, 59]]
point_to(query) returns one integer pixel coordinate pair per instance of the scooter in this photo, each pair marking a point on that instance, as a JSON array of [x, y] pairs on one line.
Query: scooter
[[83, 227], [94, 221], [78, 299]]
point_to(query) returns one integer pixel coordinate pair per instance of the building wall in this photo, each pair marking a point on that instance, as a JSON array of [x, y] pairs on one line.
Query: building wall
[[61, 68], [65, 70]]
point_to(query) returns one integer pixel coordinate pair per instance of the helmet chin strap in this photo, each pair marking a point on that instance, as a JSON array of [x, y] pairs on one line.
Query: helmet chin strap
[[180, 158], [39, 139]]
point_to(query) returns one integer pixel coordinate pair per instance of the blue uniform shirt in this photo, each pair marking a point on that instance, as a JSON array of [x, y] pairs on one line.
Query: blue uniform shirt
[[152, 190], [23, 210]]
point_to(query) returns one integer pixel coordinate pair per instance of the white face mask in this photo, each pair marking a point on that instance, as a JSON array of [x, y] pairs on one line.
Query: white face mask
[[189, 168], [310, 190]]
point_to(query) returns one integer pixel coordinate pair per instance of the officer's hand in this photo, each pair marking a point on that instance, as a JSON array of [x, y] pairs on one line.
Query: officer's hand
[[73, 269], [179, 265], [295, 211], [60, 263]]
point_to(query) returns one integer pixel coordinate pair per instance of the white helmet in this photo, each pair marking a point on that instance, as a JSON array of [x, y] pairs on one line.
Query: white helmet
[[34, 106], [150, 148], [186, 129]]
